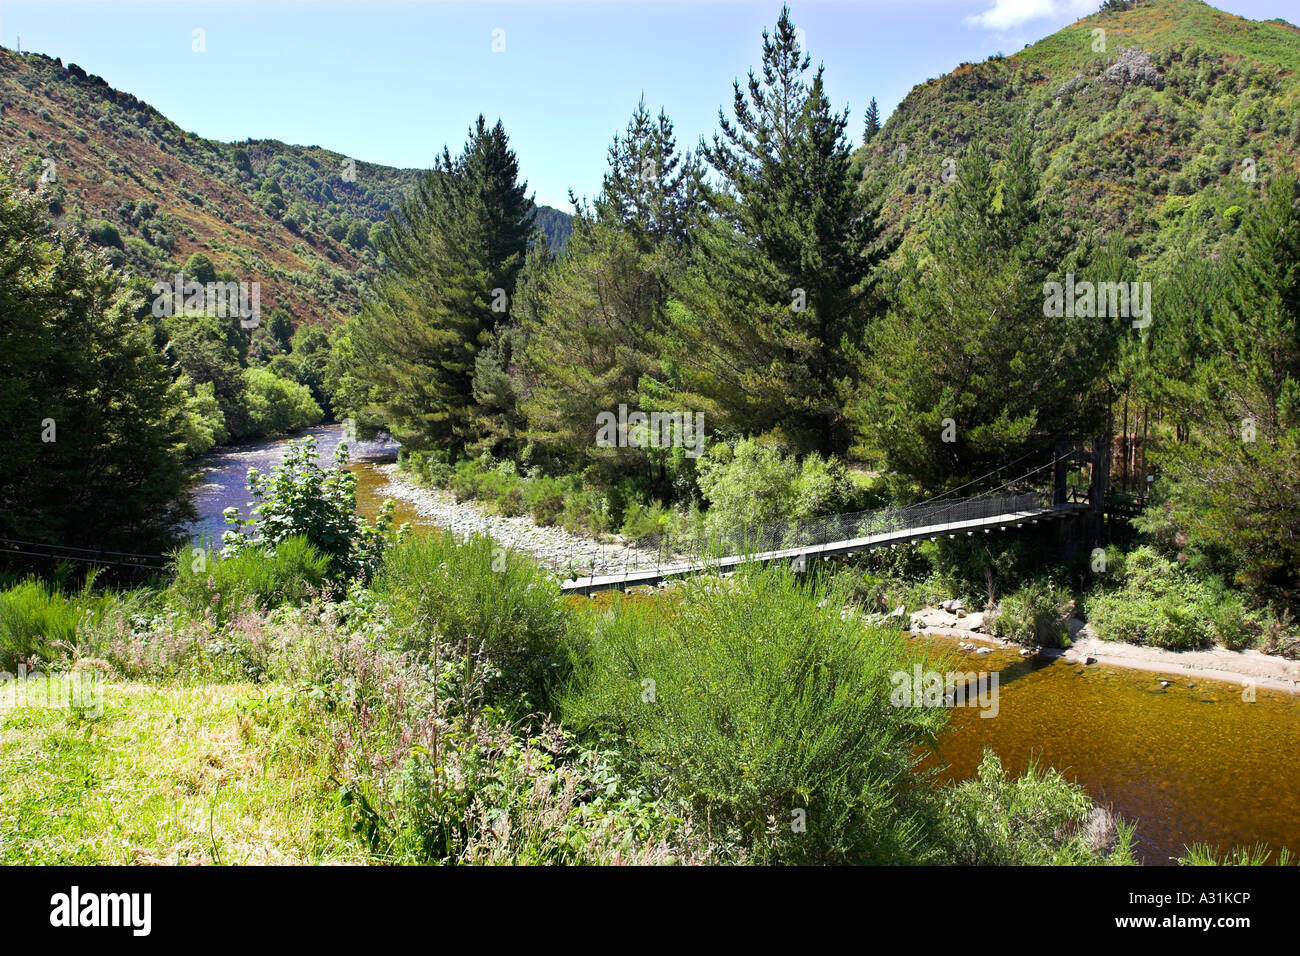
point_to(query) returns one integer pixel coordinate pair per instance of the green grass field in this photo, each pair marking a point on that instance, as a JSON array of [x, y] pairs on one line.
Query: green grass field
[[168, 774]]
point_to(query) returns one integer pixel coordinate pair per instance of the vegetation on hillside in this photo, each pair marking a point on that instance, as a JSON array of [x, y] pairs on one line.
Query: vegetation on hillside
[[304, 221]]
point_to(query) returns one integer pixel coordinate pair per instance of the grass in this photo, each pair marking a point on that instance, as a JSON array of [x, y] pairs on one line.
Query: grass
[[207, 584], [39, 621], [167, 774]]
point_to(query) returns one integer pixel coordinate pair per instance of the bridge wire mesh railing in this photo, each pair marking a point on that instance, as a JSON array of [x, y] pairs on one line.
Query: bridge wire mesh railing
[[674, 552]]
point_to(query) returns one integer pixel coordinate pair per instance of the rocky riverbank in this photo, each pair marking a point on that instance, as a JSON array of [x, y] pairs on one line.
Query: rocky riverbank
[[562, 551], [1248, 668]]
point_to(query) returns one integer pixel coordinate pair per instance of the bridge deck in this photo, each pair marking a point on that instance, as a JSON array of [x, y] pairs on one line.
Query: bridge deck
[[644, 576]]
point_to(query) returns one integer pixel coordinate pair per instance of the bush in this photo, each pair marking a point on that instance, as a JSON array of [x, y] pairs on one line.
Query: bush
[[1032, 616], [754, 702], [564, 501], [215, 587], [301, 499], [544, 498], [104, 233], [1040, 819], [486, 601], [425, 467], [205, 423], [1160, 604], [277, 405], [755, 483]]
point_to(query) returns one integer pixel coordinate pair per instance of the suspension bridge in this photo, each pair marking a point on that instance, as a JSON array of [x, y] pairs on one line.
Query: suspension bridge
[[1026, 499]]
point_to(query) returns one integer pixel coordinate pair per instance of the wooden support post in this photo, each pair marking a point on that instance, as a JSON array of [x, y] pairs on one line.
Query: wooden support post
[[1059, 472]]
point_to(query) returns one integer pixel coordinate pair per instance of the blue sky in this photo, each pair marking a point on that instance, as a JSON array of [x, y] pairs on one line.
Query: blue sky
[[391, 82]]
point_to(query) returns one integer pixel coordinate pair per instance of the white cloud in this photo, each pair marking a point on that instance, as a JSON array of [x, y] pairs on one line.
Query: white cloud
[[1009, 14]]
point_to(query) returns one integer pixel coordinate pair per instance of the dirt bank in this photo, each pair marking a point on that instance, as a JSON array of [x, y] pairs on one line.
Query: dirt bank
[[1236, 667]]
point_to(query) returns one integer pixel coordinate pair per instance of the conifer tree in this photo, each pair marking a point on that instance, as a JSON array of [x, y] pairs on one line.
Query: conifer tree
[[649, 190], [872, 126], [968, 371], [768, 324], [455, 252], [596, 338], [1236, 481]]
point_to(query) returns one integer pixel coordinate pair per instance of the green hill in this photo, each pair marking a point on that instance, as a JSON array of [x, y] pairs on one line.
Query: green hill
[[298, 219], [1162, 132]]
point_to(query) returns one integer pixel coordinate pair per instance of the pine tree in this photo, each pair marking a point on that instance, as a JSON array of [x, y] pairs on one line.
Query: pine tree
[[454, 252], [595, 341], [768, 325], [967, 372], [649, 190], [873, 122], [1235, 483]]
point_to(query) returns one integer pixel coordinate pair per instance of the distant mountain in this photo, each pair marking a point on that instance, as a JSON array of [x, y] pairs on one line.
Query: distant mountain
[[555, 225], [301, 220], [1161, 126]]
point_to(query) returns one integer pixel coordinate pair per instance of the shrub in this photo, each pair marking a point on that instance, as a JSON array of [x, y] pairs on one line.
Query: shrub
[[486, 601], [426, 467], [755, 483], [205, 423], [277, 405], [1231, 624], [1038, 819], [751, 484], [755, 702], [645, 520], [215, 587], [104, 233], [301, 499], [544, 498], [1032, 616], [1158, 620], [1161, 604], [564, 501]]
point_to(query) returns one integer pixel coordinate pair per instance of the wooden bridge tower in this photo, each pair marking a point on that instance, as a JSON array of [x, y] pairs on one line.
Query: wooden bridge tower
[[1090, 532]]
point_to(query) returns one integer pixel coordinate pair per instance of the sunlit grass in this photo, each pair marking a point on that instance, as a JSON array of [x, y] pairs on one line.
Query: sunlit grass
[[167, 774]]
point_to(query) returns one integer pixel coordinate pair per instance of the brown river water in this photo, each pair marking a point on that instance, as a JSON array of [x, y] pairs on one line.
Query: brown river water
[[1191, 763]]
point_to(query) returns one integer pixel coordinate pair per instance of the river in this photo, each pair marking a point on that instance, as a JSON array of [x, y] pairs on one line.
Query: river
[[1190, 763], [225, 476]]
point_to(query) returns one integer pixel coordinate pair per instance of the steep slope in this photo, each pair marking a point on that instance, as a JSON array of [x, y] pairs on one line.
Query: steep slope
[[300, 220], [1161, 127]]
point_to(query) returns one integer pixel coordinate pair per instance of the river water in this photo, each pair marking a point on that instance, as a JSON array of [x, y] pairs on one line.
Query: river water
[[1190, 763], [225, 476]]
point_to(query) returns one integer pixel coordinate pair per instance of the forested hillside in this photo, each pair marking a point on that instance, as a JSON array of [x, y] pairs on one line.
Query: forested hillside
[[1153, 118], [302, 220]]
